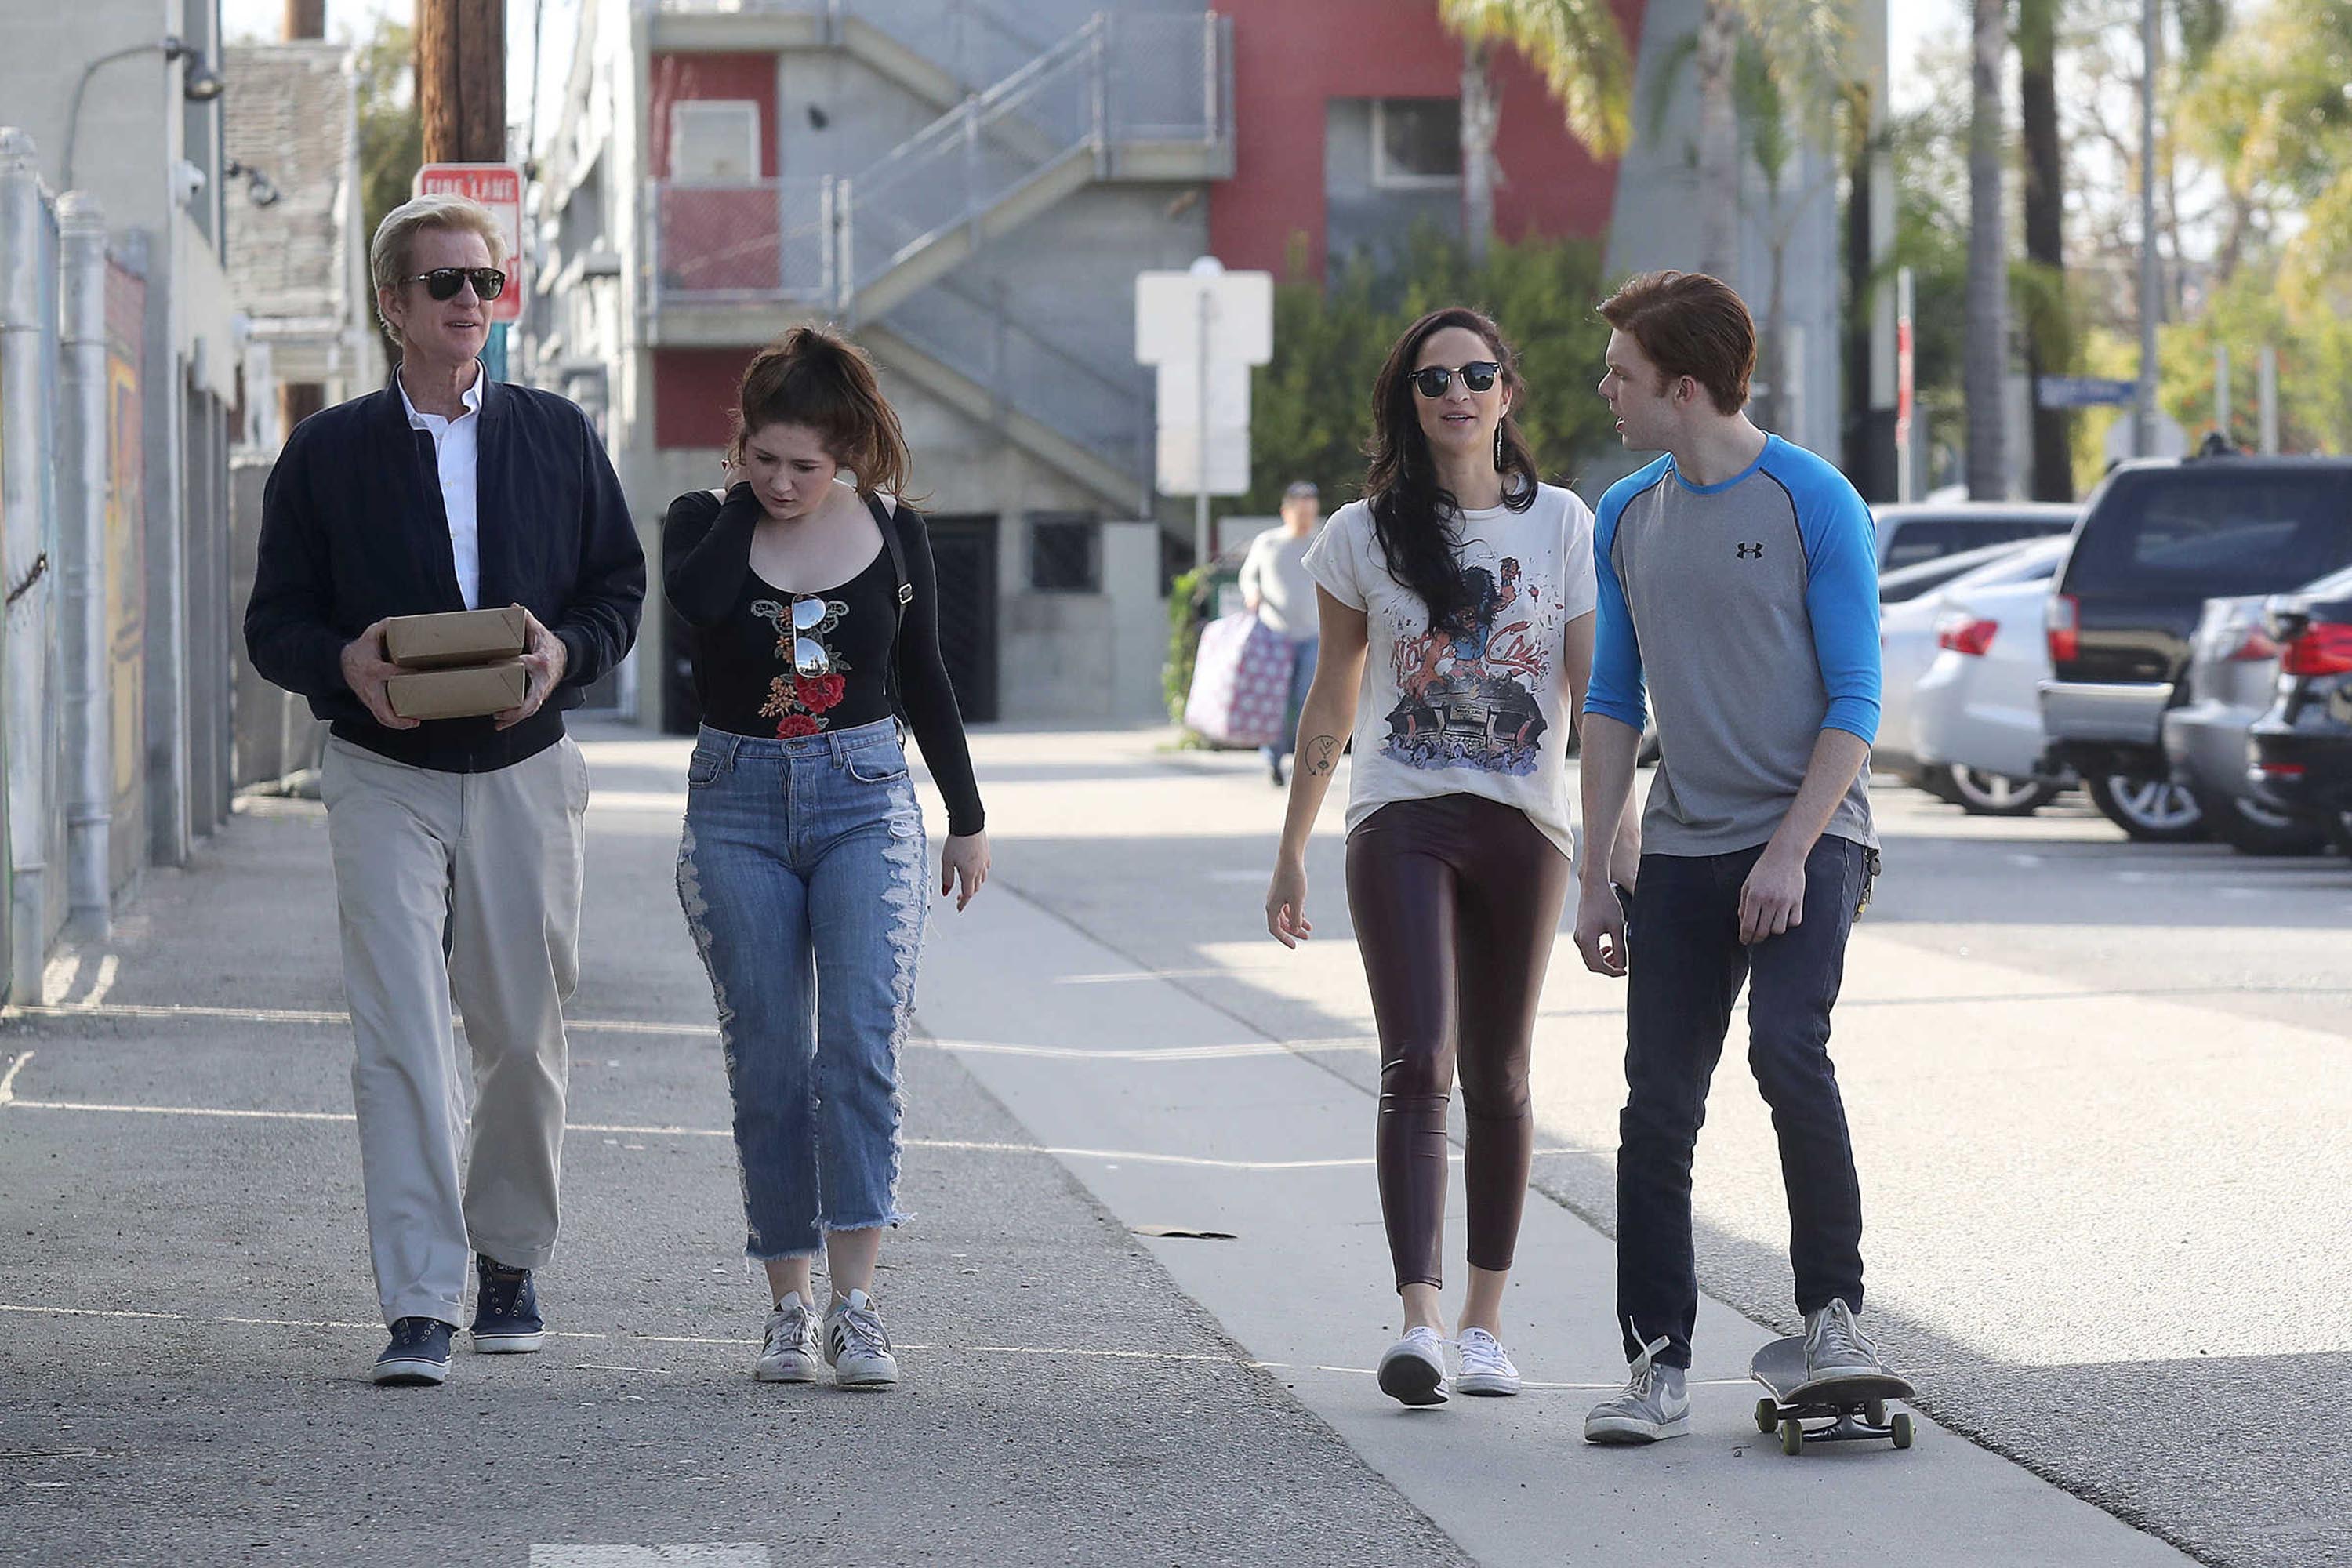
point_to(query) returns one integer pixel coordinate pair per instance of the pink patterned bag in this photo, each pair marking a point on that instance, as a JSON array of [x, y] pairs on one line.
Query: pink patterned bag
[[1241, 683]]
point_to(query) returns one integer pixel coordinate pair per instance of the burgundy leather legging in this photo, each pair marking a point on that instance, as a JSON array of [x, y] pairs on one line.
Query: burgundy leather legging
[[1455, 900]]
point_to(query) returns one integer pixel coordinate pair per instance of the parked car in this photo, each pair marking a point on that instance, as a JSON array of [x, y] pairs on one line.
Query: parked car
[[2303, 746], [2158, 538], [1975, 715], [1914, 532], [1908, 646], [2233, 679], [1921, 578]]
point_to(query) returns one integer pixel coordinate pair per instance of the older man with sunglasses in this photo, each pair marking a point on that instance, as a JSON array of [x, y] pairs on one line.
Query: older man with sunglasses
[[458, 843]]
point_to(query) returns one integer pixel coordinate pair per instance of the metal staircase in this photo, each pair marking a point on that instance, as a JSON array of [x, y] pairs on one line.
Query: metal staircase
[[1123, 97]]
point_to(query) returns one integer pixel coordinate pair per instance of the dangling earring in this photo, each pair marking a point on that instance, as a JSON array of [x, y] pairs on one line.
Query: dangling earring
[[1499, 447]]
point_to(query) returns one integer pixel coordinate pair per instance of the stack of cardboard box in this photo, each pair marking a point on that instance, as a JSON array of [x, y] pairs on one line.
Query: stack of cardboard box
[[460, 665]]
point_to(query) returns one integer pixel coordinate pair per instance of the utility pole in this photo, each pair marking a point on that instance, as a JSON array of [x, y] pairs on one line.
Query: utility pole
[[461, 80], [461, 97]]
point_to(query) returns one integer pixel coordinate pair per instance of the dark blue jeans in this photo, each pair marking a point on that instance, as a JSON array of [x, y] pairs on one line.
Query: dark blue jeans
[[1686, 966]]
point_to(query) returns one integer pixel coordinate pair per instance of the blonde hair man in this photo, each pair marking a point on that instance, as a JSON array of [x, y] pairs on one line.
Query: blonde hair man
[[458, 842]]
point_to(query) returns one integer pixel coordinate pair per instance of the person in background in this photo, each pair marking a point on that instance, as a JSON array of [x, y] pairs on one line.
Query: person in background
[[1278, 590]]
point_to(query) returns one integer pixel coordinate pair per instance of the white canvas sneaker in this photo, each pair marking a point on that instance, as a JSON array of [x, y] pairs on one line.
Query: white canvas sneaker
[[1414, 1369], [857, 1345], [788, 1350], [1486, 1369]]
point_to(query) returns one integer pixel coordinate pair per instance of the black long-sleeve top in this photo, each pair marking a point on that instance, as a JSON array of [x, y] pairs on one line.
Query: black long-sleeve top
[[742, 635], [352, 530]]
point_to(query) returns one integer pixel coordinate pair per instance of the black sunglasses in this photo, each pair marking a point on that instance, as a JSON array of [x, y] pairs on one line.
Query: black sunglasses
[[443, 282], [1477, 375]]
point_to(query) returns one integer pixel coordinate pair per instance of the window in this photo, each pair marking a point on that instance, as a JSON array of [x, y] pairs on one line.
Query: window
[[1416, 143], [2218, 533], [714, 142], [1064, 553]]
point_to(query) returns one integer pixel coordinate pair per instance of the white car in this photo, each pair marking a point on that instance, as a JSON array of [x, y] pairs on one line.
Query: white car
[[1977, 712], [1907, 649]]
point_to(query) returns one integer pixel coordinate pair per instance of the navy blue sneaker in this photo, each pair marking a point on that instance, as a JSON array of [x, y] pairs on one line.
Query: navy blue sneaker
[[506, 1311], [419, 1352]]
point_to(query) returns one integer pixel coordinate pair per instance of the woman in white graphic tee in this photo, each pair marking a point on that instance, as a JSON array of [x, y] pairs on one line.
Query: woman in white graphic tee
[[1456, 606]]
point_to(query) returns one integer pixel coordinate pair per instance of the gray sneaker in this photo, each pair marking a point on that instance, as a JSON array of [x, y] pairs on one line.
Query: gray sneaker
[[788, 1350], [857, 1345], [1654, 1405], [1835, 1345]]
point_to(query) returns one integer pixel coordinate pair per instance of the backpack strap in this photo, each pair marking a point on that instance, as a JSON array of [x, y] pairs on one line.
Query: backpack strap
[[902, 594]]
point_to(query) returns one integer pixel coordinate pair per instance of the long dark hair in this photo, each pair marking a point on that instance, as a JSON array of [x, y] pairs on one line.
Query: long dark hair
[[1412, 514], [816, 377]]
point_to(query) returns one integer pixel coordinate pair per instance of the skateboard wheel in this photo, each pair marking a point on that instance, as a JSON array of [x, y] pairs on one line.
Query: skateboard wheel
[[1903, 1431], [1767, 1416], [1876, 1411], [1792, 1437]]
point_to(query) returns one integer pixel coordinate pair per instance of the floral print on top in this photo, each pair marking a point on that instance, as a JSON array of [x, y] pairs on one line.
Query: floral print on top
[[797, 703]]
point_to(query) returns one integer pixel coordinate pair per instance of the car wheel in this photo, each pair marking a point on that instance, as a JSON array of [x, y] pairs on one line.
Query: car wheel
[[2251, 827], [1981, 794], [2150, 810], [1934, 779], [2339, 828]]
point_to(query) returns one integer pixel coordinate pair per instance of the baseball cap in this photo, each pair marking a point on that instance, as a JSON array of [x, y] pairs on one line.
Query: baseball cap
[[1301, 489]]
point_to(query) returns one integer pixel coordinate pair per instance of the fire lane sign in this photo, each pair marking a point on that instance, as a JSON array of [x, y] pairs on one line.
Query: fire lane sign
[[497, 186]]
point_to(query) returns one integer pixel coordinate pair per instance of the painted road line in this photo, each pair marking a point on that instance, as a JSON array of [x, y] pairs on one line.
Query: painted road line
[[955, 1145], [701, 1554]]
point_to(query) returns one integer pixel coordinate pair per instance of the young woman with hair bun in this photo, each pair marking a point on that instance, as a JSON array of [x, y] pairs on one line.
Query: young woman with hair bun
[[813, 604]]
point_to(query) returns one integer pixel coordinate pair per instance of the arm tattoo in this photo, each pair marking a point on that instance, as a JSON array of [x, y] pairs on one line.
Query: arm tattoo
[[1322, 754]]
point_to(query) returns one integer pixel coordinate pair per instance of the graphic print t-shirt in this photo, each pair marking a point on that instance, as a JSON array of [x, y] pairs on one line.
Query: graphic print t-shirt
[[1472, 706]]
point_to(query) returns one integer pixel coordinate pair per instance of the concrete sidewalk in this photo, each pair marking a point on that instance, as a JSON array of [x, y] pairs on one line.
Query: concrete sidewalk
[[1173, 1112]]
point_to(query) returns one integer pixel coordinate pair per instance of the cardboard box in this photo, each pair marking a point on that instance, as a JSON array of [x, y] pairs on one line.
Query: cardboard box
[[458, 638], [467, 693]]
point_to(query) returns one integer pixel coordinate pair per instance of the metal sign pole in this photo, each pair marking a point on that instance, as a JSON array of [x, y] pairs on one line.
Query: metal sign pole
[[1201, 550]]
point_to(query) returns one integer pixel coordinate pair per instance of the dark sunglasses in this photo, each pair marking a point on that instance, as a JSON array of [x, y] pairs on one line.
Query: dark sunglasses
[[1477, 375], [443, 282]]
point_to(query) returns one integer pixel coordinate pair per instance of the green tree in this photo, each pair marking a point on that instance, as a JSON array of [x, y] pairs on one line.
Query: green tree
[[1579, 49], [1803, 46], [392, 132], [1311, 407]]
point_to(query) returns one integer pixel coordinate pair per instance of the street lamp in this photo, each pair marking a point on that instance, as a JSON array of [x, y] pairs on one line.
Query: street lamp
[[260, 188], [199, 83]]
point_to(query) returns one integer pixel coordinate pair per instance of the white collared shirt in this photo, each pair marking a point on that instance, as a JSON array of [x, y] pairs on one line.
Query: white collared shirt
[[456, 452]]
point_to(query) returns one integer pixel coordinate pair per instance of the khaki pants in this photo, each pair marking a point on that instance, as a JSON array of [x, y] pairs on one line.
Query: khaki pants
[[467, 883]]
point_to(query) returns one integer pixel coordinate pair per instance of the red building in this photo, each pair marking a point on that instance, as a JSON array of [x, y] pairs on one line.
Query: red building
[[1308, 73]]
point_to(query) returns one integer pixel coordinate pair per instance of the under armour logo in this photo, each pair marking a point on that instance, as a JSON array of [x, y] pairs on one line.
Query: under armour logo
[[1750, 551]]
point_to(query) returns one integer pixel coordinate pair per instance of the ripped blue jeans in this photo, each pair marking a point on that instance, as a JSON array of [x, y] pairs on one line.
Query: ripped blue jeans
[[802, 873]]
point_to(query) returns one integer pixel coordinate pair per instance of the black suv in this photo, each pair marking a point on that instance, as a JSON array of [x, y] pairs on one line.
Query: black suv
[[2157, 540], [2303, 746]]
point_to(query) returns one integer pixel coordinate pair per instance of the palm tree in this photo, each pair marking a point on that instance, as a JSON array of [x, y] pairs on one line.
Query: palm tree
[[1581, 52], [2049, 333], [1984, 368], [1805, 47]]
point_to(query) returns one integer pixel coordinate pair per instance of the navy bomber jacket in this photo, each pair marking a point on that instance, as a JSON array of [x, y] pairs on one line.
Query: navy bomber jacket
[[352, 530]]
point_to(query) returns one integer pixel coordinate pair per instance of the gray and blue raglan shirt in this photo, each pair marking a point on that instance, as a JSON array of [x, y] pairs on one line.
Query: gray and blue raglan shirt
[[1748, 612]]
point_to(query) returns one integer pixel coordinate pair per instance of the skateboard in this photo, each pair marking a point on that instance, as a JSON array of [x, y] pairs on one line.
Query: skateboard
[[1855, 1408]]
